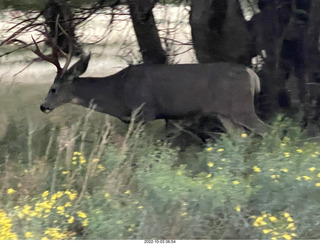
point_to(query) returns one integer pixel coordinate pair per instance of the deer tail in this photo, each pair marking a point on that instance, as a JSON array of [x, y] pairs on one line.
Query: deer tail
[[254, 81]]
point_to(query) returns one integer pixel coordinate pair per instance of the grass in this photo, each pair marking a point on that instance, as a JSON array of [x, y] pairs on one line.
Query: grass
[[77, 174]]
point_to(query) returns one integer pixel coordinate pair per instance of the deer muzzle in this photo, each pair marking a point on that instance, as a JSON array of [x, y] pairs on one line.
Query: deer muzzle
[[45, 109]]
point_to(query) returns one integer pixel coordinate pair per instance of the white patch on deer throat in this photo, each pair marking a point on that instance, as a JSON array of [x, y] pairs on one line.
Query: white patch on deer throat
[[75, 100]]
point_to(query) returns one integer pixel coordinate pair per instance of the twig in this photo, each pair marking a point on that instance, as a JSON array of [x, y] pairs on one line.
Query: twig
[[55, 172], [179, 127], [92, 163], [131, 127], [46, 155]]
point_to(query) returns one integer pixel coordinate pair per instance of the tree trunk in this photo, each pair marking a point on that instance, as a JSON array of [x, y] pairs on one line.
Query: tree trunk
[[219, 31], [146, 31], [312, 52], [59, 19]]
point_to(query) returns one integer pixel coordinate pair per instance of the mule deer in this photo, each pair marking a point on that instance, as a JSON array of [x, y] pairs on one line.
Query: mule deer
[[166, 91]]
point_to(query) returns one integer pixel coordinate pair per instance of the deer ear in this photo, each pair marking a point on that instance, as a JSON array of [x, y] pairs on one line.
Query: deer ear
[[78, 68]]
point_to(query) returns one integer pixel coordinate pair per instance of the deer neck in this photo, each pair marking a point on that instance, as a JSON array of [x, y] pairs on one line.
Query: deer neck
[[100, 94]]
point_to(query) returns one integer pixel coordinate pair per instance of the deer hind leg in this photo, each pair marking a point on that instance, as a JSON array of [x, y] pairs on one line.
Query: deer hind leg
[[253, 123], [229, 124]]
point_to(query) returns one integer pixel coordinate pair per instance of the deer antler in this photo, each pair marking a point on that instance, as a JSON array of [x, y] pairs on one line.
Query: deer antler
[[56, 50], [50, 58], [67, 56]]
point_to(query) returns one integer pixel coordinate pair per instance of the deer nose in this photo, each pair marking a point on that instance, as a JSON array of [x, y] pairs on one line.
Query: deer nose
[[45, 109]]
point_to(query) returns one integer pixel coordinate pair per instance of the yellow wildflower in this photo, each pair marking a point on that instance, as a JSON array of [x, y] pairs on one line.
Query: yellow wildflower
[[312, 169], [68, 204], [71, 220], [65, 172], [317, 184], [11, 191], [259, 221], [293, 234], [72, 196], [28, 234], [5, 227], [106, 195], [244, 135], [74, 162], [210, 164], [127, 192], [286, 154], [220, 150], [273, 238], [284, 170], [77, 153], [289, 219], [209, 149], [298, 178], [26, 209], [299, 150], [209, 187], [273, 219], [56, 234], [45, 194], [266, 231], [130, 229], [140, 207], [290, 225], [287, 237], [100, 166], [82, 214], [318, 175], [208, 175], [286, 215], [306, 177], [85, 223], [238, 208], [235, 182], [256, 169], [184, 214], [60, 210], [95, 160]]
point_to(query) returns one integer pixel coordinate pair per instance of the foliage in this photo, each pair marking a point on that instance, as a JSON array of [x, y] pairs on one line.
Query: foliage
[[35, 4], [39, 4]]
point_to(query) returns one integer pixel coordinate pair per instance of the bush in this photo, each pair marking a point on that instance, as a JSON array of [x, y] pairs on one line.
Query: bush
[[90, 181]]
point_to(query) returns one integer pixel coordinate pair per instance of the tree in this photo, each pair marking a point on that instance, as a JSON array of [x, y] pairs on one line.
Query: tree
[[146, 31], [219, 31], [285, 33]]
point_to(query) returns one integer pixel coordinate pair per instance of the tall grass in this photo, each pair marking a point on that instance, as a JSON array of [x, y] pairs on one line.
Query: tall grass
[[77, 174]]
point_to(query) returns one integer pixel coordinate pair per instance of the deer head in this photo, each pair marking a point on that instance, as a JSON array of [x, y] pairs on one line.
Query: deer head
[[61, 90]]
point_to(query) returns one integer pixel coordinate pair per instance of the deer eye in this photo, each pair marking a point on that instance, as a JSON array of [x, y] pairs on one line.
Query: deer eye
[[53, 91]]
